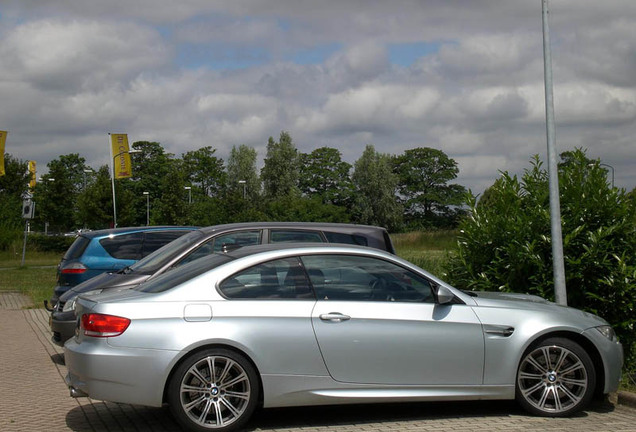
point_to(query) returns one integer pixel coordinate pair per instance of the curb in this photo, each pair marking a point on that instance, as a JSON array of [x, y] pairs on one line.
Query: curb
[[627, 398]]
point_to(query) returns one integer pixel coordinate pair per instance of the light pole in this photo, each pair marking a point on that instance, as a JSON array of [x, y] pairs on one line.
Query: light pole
[[87, 171], [147, 208], [244, 183], [189, 189], [113, 183]]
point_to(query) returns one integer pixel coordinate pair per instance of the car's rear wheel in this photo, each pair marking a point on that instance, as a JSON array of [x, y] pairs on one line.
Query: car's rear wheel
[[215, 389], [555, 378]]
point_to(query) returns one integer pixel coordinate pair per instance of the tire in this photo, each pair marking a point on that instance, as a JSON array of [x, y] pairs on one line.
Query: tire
[[555, 378], [214, 390]]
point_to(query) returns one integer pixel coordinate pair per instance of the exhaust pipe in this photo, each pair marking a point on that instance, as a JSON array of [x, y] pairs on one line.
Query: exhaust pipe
[[77, 393]]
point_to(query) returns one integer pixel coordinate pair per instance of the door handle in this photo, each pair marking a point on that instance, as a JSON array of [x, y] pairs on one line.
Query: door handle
[[334, 317]]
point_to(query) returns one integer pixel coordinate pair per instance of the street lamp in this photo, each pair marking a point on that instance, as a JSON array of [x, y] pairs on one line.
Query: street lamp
[[244, 183], [189, 189], [147, 208], [87, 171], [113, 183]]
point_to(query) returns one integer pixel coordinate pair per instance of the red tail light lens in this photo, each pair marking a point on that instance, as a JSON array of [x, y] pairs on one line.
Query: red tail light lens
[[75, 268], [100, 325]]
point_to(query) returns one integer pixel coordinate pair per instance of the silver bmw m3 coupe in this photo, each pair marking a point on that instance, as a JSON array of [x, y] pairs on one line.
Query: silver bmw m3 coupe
[[291, 325]]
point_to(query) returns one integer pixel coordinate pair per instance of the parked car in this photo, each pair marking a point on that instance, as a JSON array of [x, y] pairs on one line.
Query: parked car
[[292, 325], [95, 252], [205, 241]]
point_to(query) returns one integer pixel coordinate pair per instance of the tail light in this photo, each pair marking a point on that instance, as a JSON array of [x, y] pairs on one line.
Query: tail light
[[74, 268], [100, 325]]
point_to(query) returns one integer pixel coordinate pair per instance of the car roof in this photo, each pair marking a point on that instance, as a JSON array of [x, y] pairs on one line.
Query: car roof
[[337, 227], [127, 230]]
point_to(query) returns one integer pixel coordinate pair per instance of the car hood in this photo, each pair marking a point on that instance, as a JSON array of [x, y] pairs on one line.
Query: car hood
[[532, 302], [107, 281]]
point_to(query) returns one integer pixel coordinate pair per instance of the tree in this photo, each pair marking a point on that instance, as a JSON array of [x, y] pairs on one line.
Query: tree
[[424, 175], [95, 204], [204, 171], [242, 176], [171, 207], [505, 244], [12, 187], [375, 183], [281, 169], [56, 195], [324, 174]]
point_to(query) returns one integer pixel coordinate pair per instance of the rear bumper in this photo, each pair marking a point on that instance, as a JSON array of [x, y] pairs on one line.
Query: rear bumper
[[63, 326], [123, 375]]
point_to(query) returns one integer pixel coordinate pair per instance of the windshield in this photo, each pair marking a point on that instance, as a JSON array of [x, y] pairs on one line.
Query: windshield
[[189, 271], [153, 262]]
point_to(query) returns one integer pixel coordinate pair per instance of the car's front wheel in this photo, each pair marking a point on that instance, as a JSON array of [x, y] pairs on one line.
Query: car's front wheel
[[215, 389], [555, 378]]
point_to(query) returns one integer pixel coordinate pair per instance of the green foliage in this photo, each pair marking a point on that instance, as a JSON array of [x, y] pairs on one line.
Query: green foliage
[[242, 177], [324, 174], [428, 198], [280, 172], [12, 185], [505, 243], [375, 194], [45, 243]]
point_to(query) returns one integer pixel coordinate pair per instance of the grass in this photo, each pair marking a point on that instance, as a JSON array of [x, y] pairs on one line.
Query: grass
[[426, 249], [36, 279]]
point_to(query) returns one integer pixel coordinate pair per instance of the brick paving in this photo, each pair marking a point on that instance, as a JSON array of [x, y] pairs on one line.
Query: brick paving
[[35, 398]]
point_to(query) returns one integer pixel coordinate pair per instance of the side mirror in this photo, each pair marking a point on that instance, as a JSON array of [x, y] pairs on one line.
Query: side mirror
[[444, 295]]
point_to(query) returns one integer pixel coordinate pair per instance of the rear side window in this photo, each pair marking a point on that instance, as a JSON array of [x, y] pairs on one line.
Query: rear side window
[[126, 246], [334, 237], [77, 248], [282, 279], [234, 240], [153, 240], [295, 236]]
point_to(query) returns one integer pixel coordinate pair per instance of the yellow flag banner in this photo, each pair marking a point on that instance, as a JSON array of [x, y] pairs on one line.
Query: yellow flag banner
[[32, 171], [121, 157], [3, 140]]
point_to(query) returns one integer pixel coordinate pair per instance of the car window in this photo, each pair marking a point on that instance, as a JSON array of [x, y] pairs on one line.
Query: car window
[[355, 278], [157, 259], [153, 240], [236, 239], [125, 246], [274, 280], [204, 250], [295, 236], [335, 237], [77, 248]]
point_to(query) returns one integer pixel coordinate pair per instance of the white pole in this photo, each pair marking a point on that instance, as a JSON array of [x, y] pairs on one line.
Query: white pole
[[560, 292]]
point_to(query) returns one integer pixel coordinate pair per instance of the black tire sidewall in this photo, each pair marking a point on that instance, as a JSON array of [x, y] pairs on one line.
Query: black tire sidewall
[[589, 369], [173, 393]]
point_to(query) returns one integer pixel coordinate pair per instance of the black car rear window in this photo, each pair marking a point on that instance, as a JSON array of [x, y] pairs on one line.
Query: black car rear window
[[126, 246], [335, 237], [77, 248]]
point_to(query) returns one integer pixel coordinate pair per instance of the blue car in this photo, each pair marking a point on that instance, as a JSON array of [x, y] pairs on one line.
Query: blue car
[[97, 252]]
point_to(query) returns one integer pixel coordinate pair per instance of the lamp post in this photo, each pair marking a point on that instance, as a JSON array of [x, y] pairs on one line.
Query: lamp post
[[113, 183], [189, 189], [87, 171], [244, 183], [147, 208]]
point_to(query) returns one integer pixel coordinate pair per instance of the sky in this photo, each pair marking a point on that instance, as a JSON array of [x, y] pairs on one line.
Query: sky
[[465, 77]]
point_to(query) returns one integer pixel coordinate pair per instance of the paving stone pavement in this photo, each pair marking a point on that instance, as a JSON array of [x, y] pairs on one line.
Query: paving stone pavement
[[35, 398]]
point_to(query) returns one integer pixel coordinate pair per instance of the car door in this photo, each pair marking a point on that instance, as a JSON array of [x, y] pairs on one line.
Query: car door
[[377, 323]]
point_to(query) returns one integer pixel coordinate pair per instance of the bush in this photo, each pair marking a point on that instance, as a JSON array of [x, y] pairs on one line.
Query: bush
[[45, 243], [505, 243]]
